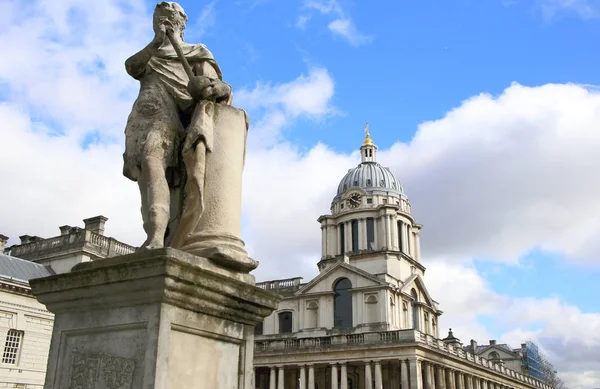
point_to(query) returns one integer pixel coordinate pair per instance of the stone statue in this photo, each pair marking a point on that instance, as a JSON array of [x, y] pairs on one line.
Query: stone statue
[[185, 146]]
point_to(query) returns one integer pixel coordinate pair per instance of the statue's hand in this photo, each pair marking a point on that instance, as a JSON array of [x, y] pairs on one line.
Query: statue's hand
[[160, 35], [200, 87]]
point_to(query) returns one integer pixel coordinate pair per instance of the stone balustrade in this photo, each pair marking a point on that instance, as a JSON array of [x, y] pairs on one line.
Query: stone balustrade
[[80, 239]]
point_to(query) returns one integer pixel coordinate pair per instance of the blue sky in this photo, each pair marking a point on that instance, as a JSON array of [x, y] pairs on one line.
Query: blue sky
[[487, 111]]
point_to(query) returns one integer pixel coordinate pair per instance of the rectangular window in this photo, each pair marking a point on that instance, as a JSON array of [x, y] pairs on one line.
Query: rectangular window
[[369, 200], [342, 238], [12, 347], [258, 330], [370, 233], [400, 233], [355, 236]]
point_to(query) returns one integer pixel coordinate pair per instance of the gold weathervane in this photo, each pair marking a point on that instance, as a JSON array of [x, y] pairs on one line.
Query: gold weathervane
[[368, 140]]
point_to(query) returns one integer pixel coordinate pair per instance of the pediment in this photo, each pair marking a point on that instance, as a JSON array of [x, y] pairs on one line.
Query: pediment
[[416, 281], [325, 281]]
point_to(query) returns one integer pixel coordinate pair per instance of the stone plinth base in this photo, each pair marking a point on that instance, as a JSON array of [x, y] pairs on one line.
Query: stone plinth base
[[155, 319]]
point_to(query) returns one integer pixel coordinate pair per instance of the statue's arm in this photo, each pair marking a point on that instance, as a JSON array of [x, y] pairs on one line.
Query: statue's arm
[[136, 64]]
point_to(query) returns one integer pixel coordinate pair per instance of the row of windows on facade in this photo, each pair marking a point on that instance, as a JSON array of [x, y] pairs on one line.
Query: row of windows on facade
[[370, 201], [370, 235], [369, 183], [12, 347], [342, 311]]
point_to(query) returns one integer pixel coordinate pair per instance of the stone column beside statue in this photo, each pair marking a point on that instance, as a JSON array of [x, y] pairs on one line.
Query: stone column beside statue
[[181, 311]]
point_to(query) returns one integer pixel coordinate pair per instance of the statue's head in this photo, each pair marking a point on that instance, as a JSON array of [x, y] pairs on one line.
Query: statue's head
[[172, 12]]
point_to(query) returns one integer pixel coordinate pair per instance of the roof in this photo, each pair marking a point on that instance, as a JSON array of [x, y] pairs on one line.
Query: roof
[[22, 270], [370, 176]]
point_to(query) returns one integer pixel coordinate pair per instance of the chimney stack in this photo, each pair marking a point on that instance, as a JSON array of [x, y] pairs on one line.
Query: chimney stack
[[95, 224], [492, 342], [473, 346], [25, 239], [3, 240]]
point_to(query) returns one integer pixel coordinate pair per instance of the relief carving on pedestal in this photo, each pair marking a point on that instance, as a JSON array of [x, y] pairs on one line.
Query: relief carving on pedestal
[[100, 371]]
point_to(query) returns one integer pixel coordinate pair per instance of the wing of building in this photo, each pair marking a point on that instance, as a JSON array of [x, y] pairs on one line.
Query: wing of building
[[367, 319]]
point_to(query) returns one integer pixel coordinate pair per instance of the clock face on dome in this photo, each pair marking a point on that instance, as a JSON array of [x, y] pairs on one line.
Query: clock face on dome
[[353, 200]]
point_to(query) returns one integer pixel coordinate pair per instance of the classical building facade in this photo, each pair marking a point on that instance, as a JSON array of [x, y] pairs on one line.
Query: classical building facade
[[367, 321], [25, 324]]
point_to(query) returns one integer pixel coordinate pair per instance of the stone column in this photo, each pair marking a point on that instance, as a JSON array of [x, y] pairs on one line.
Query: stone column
[[449, 380], [137, 312], [348, 229], [388, 235], [380, 238], [344, 376], [469, 381], [311, 377], [273, 377], [280, 378], [440, 383], [362, 233], [378, 377], [368, 377], [334, 377], [394, 228], [484, 384], [460, 383], [404, 374], [428, 384], [416, 379], [323, 240], [302, 377], [417, 246]]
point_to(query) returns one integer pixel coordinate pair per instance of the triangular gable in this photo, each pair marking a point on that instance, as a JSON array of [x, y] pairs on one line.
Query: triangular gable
[[417, 280], [502, 351], [336, 268]]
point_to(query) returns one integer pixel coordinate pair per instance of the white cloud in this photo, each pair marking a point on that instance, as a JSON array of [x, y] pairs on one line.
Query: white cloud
[[278, 105], [585, 9], [500, 176], [342, 25], [346, 29], [206, 21], [568, 337]]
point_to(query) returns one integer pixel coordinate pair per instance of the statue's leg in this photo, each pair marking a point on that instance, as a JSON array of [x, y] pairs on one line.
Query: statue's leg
[[157, 201]]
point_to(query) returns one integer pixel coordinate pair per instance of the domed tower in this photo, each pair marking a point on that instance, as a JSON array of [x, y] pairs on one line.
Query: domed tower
[[370, 226]]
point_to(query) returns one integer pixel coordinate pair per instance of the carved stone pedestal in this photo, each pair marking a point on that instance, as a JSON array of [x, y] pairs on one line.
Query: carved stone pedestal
[[155, 319]]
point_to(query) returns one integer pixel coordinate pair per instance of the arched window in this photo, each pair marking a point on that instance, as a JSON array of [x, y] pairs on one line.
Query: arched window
[[405, 315], [285, 322], [426, 323], [342, 304], [434, 327], [415, 309]]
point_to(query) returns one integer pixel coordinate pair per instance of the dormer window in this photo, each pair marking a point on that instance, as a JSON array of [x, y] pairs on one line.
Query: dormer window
[[369, 182]]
